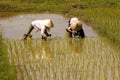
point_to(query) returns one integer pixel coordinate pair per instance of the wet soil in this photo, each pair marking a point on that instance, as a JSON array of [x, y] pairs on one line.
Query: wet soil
[[14, 27]]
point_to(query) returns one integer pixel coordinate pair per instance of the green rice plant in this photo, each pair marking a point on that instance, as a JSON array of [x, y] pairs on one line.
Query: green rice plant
[[64, 59], [7, 71]]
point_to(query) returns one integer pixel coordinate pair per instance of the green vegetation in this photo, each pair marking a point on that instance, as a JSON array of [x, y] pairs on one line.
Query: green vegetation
[[66, 59], [101, 14], [7, 71]]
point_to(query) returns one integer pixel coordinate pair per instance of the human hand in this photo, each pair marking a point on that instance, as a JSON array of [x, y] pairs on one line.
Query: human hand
[[74, 32], [44, 38], [48, 35], [68, 30]]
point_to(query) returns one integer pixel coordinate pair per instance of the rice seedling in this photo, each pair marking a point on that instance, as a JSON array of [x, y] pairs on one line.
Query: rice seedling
[[7, 71], [64, 59]]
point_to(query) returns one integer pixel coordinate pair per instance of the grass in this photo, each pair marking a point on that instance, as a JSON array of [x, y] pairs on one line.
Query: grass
[[65, 59], [7, 71], [105, 21]]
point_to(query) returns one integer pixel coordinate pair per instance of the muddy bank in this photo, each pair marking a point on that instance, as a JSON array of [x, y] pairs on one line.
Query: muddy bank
[[14, 27]]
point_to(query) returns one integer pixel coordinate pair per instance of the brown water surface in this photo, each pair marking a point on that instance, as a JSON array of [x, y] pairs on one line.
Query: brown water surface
[[14, 27]]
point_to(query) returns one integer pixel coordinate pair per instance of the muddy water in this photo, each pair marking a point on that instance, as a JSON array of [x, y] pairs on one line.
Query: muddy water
[[14, 27]]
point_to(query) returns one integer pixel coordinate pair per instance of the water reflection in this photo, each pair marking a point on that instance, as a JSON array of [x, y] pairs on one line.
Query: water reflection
[[33, 59], [39, 49], [47, 50], [75, 45], [14, 27]]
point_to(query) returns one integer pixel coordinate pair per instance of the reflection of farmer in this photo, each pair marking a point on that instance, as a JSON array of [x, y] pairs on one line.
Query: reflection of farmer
[[75, 46], [40, 25], [45, 50], [75, 28]]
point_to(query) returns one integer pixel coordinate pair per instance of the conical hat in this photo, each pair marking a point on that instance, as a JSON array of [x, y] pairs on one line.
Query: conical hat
[[48, 23], [76, 25]]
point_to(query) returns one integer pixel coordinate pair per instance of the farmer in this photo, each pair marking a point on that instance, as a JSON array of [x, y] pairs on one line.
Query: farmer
[[40, 25], [75, 28]]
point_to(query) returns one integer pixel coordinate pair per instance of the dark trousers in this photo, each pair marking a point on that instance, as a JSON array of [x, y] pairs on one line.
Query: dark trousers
[[80, 33], [30, 29]]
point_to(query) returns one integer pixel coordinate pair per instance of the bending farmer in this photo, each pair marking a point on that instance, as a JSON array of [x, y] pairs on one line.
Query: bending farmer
[[40, 25], [75, 28]]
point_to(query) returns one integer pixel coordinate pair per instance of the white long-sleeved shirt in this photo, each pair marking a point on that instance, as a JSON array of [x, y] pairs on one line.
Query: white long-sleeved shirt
[[39, 24]]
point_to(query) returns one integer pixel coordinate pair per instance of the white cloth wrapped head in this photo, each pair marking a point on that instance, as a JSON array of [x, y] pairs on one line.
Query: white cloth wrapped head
[[73, 19]]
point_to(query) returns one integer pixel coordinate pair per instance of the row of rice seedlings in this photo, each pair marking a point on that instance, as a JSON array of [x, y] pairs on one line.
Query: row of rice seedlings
[[66, 59], [104, 58]]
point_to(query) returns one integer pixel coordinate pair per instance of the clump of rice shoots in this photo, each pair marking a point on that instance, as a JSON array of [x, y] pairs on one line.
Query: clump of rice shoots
[[64, 59]]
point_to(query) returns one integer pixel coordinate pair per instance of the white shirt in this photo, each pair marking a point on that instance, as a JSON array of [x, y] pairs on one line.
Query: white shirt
[[39, 24]]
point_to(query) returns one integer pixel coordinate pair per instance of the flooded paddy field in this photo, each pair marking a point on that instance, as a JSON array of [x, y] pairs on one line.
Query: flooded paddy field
[[61, 58], [14, 27]]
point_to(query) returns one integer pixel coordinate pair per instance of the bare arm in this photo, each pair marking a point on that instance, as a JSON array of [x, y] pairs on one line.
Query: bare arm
[[47, 34], [70, 30]]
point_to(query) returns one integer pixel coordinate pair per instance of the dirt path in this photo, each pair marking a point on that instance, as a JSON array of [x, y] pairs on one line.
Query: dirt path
[[16, 26]]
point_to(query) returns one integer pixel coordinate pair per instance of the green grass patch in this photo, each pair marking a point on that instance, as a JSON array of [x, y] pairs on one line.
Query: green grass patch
[[7, 71]]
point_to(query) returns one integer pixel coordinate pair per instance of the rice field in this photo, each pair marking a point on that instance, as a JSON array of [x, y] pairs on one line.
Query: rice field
[[64, 59]]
